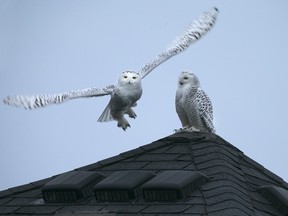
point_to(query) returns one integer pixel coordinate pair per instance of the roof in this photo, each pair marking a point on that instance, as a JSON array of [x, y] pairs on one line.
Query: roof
[[208, 175]]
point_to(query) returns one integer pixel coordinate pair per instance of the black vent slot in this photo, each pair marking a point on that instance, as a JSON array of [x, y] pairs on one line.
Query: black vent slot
[[70, 186], [173, 185], [277, 196], [122, 185]]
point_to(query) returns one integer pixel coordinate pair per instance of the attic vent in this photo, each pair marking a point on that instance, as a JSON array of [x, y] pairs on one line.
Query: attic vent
[[70, 186], [122, 185], [277, 196], [173, 185]]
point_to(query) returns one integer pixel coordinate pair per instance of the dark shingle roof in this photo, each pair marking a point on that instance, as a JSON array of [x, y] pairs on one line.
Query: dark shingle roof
[[234, 183]]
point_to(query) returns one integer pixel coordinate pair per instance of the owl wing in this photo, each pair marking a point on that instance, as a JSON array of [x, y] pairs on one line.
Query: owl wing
[[193, 33], [205, 109], [37, 101]]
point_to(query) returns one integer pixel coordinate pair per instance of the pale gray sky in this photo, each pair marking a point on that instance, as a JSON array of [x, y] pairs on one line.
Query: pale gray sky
[[53, 46]]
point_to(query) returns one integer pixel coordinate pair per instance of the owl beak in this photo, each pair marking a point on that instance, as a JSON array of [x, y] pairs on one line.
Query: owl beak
[[181, 83]]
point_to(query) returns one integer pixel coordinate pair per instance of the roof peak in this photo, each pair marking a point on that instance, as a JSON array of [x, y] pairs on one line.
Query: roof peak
[[231, 179]]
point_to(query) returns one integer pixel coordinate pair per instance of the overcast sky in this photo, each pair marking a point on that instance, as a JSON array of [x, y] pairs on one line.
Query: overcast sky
[[53, 46]]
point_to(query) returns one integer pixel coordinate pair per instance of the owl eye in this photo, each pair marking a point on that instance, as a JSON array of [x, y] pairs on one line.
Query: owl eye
[[125, 77], [185, 78], [134, 77]]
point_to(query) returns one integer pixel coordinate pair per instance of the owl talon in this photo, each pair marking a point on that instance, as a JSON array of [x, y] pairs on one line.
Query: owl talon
[[180, 130], [133, 116], [193, 129], [123, 124], [131, 113], [124, 128]]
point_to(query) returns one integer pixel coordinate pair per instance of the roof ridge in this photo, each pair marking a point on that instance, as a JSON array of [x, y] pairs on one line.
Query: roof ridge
[[222, 164]]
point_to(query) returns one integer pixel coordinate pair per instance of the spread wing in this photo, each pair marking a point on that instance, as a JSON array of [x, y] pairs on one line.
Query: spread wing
[[37, 101], [193, 33]]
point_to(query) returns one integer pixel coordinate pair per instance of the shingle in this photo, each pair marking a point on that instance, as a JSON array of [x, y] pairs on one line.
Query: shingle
[[216, 152], [5, 200], [179, 149], [132, 153], [226, 191], [135, 165], [196, 209], [156, 157], [191, 167], [173, 139], [20, 201], [38, 209], [225, 205], [186, 137], [5, 193], [255, 181], [223, 173], [220, 197], [124, 208], [263, 213], [98, 213], [254, 177], [225, 185], [166, 208], [230, 211], [89, 167], [251, 162], [154, 145], [217, 156], [166, 165], [185, 157], [8, 209], [272, 175], [29, 194], [72, 208], [206, 148], [219, 163], [22, 188], [196, 198], [160, 150], [41, 182], [111, 160]]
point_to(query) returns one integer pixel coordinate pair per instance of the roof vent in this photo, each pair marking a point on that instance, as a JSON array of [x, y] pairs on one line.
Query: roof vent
[[277, 196], [172, 185], [70, 186], [122, 185]]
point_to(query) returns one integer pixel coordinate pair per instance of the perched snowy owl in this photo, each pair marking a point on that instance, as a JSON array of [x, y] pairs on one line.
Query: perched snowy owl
[[193, 106], [128, 91]]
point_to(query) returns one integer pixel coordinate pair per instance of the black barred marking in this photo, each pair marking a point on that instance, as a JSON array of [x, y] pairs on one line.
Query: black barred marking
[[37, 101], [41, 102], [192, 34]]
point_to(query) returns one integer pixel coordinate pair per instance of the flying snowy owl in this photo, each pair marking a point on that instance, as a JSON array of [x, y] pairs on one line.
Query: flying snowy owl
[[128, 90], [193, 106]]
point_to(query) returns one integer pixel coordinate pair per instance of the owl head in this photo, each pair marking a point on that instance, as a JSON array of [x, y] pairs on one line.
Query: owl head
[[188, 78], [130, 78]]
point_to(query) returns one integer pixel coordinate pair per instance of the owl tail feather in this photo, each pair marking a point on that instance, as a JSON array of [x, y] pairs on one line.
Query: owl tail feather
[[106, 115]]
